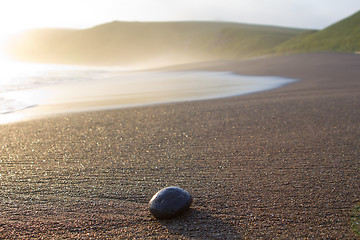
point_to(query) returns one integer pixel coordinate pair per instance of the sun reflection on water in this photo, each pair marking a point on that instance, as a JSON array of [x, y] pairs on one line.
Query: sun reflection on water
[[29, 90], [14, 95]]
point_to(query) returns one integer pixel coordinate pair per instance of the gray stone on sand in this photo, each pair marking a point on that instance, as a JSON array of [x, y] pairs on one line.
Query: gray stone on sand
[[169, 202]]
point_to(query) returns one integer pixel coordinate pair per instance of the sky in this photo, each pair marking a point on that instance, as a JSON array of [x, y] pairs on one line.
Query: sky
[[18, 15]]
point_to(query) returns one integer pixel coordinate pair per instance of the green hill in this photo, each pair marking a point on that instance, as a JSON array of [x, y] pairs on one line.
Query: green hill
[[167, 43], [160, 43], [343, 36]]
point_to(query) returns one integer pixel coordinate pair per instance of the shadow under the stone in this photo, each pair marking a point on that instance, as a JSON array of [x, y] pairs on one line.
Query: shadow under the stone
[[201, 224]]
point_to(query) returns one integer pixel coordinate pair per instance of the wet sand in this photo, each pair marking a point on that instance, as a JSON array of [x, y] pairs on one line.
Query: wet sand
[[277, 164], [118, 89]]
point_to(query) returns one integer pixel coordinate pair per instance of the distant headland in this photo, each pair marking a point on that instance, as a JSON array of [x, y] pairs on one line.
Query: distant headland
[[166, 43]]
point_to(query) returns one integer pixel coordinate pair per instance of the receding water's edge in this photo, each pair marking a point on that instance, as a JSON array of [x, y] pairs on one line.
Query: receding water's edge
[[119, 90]]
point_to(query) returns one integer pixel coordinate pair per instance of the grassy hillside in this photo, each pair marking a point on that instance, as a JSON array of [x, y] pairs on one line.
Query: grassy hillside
[[157, 42], [167, 43], [343, 36]]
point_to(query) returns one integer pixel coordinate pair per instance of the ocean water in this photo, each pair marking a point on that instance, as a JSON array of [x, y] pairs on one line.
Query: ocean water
[[25, 85], [17, 79]]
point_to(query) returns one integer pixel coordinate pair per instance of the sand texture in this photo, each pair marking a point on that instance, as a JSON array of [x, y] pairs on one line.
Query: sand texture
[[281, 164]]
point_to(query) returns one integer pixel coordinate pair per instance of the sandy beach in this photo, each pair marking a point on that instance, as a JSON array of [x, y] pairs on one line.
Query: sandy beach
[[283, 163]]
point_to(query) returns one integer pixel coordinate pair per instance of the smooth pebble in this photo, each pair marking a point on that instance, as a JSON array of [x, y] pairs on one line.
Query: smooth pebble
[[169, 202]]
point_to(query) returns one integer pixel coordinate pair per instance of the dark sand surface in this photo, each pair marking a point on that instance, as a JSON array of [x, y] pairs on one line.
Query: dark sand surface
[[278, 164]]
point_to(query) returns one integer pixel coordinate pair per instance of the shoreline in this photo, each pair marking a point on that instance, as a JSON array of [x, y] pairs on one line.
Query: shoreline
[[117, 90], [275, 164]]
